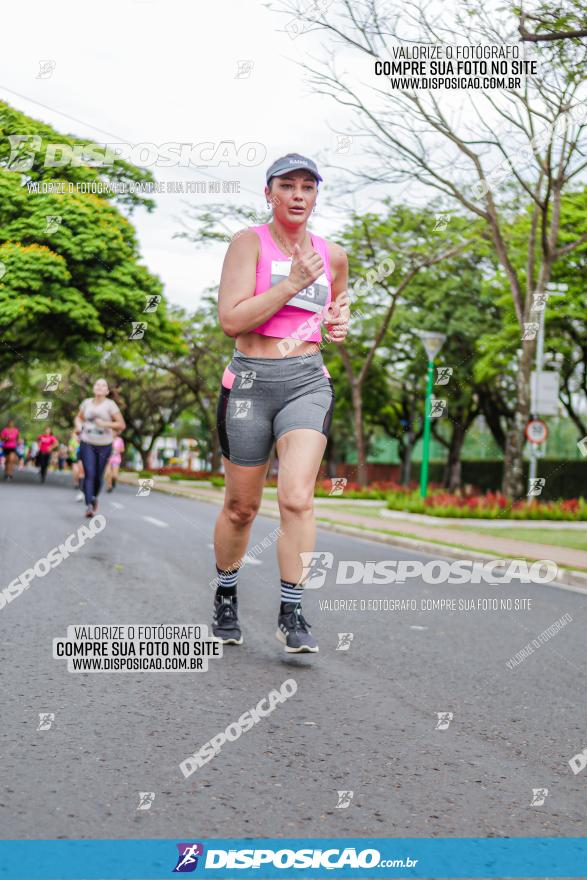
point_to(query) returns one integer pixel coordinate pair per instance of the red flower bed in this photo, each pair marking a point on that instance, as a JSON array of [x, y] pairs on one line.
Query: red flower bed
[[376, 486], [494, 504], [166, 471], [442, 498]]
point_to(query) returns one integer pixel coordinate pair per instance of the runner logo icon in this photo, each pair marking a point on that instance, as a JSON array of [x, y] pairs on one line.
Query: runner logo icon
[[444, 719], [344, 641], [46, 719], [242, 409], [146, 799], [344, 799], [539, 795], [315, 565], [247, 377], [188, 857]]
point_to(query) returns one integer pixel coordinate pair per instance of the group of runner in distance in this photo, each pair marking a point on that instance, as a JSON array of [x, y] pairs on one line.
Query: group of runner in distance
[[94, 449]]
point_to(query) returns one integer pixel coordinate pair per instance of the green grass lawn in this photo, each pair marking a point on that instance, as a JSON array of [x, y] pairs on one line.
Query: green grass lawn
[[367, 510], [575, 539]]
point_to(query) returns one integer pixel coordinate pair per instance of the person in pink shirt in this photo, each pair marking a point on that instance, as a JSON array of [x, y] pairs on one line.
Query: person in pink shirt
[[281, 283], [9, 437], [47, 443], [114, 463]]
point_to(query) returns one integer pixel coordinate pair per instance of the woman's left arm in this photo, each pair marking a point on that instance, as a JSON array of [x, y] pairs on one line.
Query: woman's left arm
[[337, 321], [117, 423]]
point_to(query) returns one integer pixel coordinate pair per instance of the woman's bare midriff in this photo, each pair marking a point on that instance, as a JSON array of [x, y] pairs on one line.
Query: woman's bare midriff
[[256, 345]]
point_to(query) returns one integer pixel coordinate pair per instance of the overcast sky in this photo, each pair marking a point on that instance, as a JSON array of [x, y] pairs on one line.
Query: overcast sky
[[151, 71]]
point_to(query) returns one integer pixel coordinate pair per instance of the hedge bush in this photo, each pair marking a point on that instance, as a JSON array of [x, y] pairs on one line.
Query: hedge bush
[[493, 505], [564, 479]]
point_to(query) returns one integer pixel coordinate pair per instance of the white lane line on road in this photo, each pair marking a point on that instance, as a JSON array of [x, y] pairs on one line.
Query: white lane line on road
[[251, 560], [156, 522], [117, 505]]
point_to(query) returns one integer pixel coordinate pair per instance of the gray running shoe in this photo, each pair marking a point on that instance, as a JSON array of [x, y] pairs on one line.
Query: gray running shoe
[[294, 630], [225, 625]]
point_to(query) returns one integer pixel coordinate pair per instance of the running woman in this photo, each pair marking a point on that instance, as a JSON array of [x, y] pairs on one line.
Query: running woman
[[98, 418], [9, 436], [47, 443], [279, 283], [114, 463]]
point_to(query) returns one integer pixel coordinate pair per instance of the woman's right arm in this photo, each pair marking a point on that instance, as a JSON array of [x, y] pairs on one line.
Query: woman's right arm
[[238, 309], [78, 421]]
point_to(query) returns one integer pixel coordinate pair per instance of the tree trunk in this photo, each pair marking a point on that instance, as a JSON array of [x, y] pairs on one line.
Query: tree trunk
[[406, 459], [330, 456], [452, 472], [513, 463], [492, 417], [359, 434], [148, 453]]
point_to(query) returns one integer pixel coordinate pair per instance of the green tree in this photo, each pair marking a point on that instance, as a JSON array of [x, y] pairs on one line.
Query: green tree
[[567, 20], [451, 297], [205, 353], [387, 254], [565, 332], [70, 270], [491, 160]]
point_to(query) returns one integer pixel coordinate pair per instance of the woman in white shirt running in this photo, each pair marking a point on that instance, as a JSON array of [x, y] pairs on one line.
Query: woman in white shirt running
[[98, 418]]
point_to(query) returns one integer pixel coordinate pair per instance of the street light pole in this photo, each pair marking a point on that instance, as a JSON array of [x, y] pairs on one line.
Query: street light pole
[[432, 342], [426, 439], [533, 468], [551, 290]]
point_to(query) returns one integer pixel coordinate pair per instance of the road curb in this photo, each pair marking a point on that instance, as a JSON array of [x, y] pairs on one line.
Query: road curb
[[566, 578]]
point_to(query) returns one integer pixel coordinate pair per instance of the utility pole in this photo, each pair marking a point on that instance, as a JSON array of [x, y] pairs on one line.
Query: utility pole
[[551, 290]]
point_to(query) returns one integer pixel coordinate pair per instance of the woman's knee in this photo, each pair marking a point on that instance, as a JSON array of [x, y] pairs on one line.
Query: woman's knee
[[241, 512], [298, 502]]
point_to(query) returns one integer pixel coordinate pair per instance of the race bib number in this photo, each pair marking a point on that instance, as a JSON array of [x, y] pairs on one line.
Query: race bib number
[[91, 427], [312, 298]]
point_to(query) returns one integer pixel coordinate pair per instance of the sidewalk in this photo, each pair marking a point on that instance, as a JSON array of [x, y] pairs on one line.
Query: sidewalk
[[409, 530]]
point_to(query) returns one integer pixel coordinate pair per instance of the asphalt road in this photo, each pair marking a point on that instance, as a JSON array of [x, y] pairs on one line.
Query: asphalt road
[[362, 720]]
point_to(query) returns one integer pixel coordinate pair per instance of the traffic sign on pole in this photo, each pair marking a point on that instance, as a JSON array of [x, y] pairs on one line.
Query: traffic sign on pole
[[536, 431], [544, 391]]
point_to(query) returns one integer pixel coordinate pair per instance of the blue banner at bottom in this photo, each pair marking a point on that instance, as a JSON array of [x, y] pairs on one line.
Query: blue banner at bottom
[[526, 857]]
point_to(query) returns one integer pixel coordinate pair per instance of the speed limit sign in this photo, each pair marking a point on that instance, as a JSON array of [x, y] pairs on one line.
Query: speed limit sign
[[536, 431]]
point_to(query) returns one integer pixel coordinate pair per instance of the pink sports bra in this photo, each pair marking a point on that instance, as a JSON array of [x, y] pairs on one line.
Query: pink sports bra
[[302, 316]]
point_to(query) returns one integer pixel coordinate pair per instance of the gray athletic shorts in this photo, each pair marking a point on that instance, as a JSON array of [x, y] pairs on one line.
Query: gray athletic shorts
[[263, 398]]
